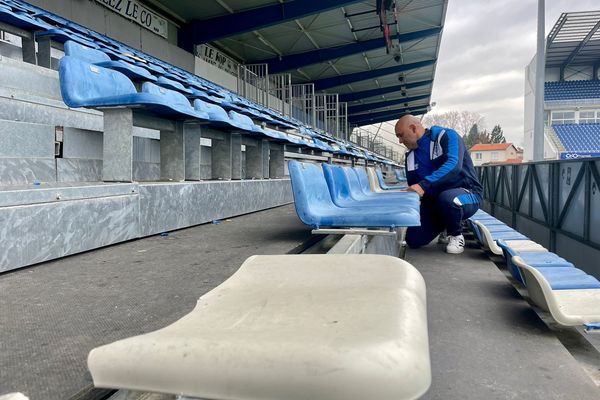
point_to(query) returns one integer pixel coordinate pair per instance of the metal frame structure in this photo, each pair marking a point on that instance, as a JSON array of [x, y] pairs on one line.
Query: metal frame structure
[[557, 203], [574, 40], [253, 82], [303, 103], [327, 111]]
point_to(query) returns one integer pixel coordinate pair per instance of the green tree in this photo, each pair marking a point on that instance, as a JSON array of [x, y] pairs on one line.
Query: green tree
[[475, 136], [497, 135]]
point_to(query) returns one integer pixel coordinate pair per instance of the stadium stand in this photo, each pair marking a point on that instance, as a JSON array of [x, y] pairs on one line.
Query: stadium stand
[[572, 90], [579, 137], [112, 59]]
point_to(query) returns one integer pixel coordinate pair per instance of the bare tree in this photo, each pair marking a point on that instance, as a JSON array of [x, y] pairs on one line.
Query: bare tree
[[460, 121]]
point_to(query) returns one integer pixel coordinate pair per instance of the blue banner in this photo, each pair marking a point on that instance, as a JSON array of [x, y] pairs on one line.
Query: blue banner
[[575, 155]]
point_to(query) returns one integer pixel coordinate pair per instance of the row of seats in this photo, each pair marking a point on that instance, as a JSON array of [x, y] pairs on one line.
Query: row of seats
[[123, 76], [344, 197], [572, 90], [579, 137], [554, 284]]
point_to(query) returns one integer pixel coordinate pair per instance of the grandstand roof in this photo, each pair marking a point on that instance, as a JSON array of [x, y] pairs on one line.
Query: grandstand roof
[[490, 146], [574, 40], [339, 45]]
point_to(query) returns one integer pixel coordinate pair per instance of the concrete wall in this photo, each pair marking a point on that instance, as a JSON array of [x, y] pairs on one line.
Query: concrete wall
[[102, 20], [55, 221]]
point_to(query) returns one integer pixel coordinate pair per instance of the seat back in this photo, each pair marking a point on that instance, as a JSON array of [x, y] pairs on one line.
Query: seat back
[[310, 191], [214, 111], [171, 97], [81, 81], [354, 185], [85, 53], [363, 179], [337, 182], [241, 120], [380, 177]]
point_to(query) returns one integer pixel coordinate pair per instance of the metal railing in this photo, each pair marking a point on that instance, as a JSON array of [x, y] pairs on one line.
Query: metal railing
[[555, 203], [303, 103]]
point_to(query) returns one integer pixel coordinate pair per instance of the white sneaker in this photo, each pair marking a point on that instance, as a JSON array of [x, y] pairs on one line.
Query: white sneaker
[[443, 238], [456, 244]]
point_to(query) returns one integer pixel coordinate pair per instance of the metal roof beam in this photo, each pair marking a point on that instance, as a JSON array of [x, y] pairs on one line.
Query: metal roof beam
[[294, 61], [388, 113], [373, 106], [379, 91], [383, 118], [326, 83], [581, 45], [203, 31]]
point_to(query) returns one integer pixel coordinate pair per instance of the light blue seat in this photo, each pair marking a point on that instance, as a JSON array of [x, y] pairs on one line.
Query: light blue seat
[[100, 58], [363, 179], [22, 19], [171, 84], [63, 35], [399, 176], [565, 278], [315, 207], [343, 194], [217, 116], [322, 145], [87, 85], [157, 69], [382, 183], [536, 259]]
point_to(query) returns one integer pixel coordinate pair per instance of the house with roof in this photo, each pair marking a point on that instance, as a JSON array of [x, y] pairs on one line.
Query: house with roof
[[494, 153]]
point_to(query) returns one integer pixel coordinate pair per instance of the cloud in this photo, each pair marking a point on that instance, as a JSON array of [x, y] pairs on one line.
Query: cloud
[[485, 47]]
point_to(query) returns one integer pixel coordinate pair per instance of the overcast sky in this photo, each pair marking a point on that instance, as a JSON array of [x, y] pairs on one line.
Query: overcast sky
[[486, 45]]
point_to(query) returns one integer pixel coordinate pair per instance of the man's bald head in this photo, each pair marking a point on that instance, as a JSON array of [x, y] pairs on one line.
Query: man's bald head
[[408, 130]]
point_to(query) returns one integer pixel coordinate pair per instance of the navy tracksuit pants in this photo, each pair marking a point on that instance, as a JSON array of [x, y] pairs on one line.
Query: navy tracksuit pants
[[445, 211]]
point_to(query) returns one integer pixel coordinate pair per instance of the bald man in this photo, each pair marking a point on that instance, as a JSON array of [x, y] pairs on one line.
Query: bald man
[[440, 170]]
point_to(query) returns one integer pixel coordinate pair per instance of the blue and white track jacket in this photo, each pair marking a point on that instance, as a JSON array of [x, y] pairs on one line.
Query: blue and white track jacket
[[441, 162]]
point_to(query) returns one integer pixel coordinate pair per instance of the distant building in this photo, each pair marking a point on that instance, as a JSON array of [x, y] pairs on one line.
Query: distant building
[[497, 153], [571, 90]]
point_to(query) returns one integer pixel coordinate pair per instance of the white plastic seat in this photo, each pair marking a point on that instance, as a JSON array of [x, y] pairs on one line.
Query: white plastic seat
[[14, 396], [490, 244], [288, 327], [568, 307]]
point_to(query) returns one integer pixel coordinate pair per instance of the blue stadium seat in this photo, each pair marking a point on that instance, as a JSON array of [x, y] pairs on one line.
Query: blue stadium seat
[[217, 115], [22, 19], [171, 84], [100, 58], [400, 176], [87, 85], [572, 90], [315, 207], [385, 186], [579, 137], [344, 195]]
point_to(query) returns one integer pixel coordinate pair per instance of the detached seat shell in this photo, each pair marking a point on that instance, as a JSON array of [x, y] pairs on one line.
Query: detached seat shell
[[293, 327], [570, 307]]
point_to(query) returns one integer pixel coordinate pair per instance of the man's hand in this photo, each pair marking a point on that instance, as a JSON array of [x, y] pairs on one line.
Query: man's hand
[[416, 188]]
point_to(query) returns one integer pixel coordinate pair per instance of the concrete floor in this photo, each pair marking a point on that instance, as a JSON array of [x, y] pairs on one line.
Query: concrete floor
[[486, 342], [54, 313]]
